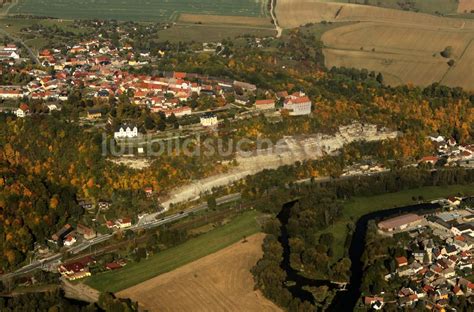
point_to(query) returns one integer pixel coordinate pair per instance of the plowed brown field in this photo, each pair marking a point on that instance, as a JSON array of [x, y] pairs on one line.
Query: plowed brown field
[[219, 282], [404, 46], [465, 6]]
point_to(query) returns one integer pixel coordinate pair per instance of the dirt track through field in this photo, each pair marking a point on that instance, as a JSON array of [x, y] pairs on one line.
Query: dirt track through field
[[219, 282]]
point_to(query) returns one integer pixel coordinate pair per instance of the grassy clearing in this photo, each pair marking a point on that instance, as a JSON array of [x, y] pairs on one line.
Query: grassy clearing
[[35, 40], [225, 20], [137, 10], [209, 33], [170, 259], [359, 206]]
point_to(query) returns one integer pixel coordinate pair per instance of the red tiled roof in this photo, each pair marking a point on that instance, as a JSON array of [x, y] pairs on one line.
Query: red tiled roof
[[429, 158], [264, 102], [24, 107], [299, 100], [179, 75], [401, 260], [113, 266]]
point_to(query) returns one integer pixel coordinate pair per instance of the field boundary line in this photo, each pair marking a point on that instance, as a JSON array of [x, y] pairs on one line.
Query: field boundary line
[[456, 63]]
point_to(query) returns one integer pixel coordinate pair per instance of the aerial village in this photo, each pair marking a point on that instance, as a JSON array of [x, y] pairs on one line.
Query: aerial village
[[104, 71], [438, 257], [449, 152]]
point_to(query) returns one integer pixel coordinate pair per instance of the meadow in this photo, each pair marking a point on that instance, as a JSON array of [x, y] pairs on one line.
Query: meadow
[[359, 206], [175, 257], [137, 10]]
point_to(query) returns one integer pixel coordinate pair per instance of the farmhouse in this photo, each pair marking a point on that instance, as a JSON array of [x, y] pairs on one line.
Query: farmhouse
[[400, 223]]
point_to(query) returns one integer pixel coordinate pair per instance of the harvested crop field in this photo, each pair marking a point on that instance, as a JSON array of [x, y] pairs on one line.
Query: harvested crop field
[[465, 6], [224, 20], [404, 54], [462, 73], [293, 13], [218, 282], [396, 69], [404, 46]]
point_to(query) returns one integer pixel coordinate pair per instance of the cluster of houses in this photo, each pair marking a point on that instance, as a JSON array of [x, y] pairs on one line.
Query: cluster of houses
[[77, 269], [98, 66], [80, 268], [101, 70], [439, 256], [121, 223], [67, 235], [450, 152], [9, 53]]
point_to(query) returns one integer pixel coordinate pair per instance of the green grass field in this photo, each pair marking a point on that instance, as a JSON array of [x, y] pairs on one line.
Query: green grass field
[[138, 10], [210, 33], [359, 206], [170, 259]]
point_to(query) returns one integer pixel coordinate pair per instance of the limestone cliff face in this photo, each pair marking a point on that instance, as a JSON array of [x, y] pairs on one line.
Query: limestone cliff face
[[292, 149], [286, 152]]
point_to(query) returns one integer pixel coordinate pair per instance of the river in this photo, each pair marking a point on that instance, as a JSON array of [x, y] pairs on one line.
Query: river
[[345, 300]]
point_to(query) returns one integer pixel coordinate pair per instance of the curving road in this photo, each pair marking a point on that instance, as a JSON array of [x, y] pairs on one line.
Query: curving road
[[32, 54], [147, 222], [275, 21]]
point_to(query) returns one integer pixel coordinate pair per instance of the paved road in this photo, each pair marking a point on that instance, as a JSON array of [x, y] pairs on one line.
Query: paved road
[[32, 54], [147, 222], [151, 218]]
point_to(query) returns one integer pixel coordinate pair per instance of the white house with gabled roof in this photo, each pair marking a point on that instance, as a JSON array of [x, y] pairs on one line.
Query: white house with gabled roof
[[126, 131]]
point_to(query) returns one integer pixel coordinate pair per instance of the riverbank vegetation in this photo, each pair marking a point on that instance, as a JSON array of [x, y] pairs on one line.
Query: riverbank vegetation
[[321, 223], [356, 207], [48, 163]]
